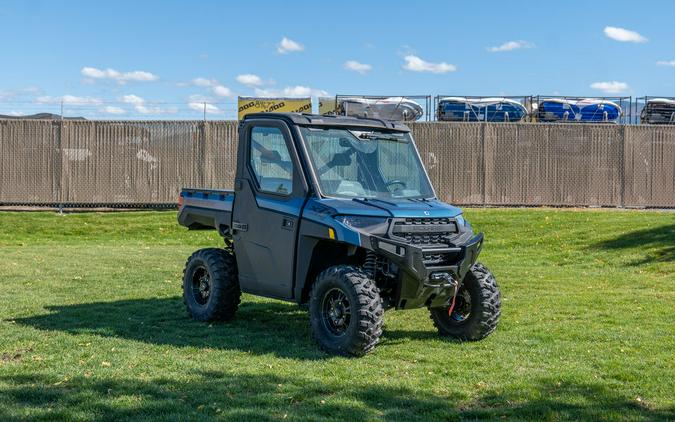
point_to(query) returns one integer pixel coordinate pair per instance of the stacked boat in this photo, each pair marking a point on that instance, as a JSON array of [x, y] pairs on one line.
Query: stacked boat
[[392, 108], [589, 110], [658, 111], [505, 109], [494, 109]]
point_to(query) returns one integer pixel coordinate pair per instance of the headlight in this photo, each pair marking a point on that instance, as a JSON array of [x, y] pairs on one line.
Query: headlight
[[372, 225], [461, 221]]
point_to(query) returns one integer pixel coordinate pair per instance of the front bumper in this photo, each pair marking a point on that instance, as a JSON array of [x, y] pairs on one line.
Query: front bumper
[[417, 284]]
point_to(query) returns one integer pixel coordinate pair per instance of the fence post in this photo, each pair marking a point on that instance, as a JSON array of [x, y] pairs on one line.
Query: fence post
[[58, 164], [622, 164], [209, 154], [202, 153], [483, 169]]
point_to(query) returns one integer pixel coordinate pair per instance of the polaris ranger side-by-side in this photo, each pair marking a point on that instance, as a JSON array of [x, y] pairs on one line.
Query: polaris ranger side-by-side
[[337, 213]]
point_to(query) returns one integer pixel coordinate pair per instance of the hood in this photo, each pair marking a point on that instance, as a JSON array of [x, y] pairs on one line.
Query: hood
[[389, 208]]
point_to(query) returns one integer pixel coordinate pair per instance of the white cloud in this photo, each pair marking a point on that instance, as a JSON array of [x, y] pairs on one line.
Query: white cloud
[[141, 106], [302, 91], [132, 99], [287, 45], [113, 110], [216, 88], [69, 100], [117, 76], [355, 66], [203, 82], [92, 72], [210, 108], [291, 91], [624, 35], [222, 91], [510, 46], [197, 102], [612, 87], [416, 64], [74, 100], [250, 80], [666, 63], [143, 109], [140, 76]]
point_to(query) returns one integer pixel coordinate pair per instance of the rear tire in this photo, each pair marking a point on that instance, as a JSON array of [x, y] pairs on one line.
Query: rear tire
[[211, 285], [345, 311], [477, 307]]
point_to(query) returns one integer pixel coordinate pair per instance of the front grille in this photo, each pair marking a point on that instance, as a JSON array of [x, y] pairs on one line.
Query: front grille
[[439, 259], [426, 232], [419, 221], [435, 239]]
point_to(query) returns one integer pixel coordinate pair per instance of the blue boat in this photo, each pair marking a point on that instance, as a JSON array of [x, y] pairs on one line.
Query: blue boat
[[584, 111], [460, 109]]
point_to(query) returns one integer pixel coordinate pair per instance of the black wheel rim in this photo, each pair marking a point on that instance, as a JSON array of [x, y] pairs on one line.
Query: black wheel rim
[[201, 285], [336, 311], [462, 309]]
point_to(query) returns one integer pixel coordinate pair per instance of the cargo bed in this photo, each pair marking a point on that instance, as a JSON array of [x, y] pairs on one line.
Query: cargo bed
[[206, 209]]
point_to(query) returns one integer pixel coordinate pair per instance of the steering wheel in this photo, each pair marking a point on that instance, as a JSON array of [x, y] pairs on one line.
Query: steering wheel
[[397, 182]]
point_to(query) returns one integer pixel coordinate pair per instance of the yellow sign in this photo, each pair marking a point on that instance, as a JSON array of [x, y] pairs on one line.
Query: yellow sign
[[248, 105], [327, 105]]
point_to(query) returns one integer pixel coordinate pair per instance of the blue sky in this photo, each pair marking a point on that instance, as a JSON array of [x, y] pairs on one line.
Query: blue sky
[[158, 59]]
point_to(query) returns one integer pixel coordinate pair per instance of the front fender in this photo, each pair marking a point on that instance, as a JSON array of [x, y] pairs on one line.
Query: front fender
[[332, 240]]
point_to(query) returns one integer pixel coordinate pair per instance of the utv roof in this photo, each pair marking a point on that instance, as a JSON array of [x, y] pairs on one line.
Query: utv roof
[[305, 119]]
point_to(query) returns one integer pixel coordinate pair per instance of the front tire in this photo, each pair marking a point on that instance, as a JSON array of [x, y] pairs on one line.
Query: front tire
[[477, 307], [211, 285], [345, 311]]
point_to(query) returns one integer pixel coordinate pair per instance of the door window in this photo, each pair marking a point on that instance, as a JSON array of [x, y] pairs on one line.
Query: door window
[[270, 161]]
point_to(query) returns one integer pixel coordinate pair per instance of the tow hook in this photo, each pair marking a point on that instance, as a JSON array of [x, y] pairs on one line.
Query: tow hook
[[441, 279], [445, 280]]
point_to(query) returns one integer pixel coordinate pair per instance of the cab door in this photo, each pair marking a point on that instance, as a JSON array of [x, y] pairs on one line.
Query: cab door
[[270, 194]]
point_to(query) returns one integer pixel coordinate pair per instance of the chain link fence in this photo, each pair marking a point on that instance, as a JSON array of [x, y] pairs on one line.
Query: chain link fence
[[145, 163]]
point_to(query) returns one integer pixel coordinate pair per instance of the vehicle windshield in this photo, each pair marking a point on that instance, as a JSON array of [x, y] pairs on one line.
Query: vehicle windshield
[[366, 164]]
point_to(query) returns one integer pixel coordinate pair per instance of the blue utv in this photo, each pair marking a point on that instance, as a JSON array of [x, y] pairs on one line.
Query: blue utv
[[338, 214]]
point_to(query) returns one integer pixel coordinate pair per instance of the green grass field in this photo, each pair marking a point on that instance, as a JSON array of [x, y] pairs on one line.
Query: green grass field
[[92, 326]]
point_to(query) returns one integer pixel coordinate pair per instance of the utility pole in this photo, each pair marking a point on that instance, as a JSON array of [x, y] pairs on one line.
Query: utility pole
[[204, 111], [61, 109]]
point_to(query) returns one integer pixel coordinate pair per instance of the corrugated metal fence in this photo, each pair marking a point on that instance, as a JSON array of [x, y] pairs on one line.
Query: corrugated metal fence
[[145, 163]]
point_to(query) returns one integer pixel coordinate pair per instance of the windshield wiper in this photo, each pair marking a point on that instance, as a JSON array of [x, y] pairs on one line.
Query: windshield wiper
[[370, 136], [423, 200], [364, 199], [370, 202]]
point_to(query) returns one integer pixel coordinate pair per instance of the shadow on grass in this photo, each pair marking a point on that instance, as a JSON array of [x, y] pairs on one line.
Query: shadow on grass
[[661, 239], [276, 328], [393, 337], [218, 395]]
